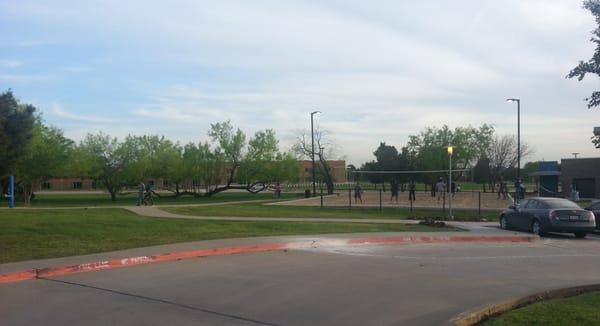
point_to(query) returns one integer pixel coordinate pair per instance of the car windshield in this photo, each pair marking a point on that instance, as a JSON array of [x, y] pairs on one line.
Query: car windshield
[[561, 203]]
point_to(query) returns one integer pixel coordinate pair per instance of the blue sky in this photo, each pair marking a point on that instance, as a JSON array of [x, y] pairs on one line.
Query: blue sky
[[378, 70]]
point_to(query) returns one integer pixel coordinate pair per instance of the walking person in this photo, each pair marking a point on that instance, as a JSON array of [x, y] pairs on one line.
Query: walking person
[[141, 189], [501, 189], [394, 191], [148, 196], [440, 188], [357, 193], [412, 188]]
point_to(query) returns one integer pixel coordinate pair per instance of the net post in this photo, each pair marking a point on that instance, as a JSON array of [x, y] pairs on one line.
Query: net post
[[479, 206], [349, 198], [321, 196]]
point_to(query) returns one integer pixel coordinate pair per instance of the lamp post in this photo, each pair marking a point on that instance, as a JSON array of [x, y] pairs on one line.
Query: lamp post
[[518, 134], [312, 152], [450, 152]]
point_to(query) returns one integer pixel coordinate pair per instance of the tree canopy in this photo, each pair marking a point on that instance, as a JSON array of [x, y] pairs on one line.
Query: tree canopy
[[16, 129], [591, 66]]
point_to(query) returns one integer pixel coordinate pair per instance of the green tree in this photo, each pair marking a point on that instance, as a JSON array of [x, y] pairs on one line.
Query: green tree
[[427, 151], [592, 66], [103, 159], [44, 157], [16, 128]]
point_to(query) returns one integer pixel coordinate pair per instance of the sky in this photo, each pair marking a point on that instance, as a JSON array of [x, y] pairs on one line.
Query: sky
[[378, 71]]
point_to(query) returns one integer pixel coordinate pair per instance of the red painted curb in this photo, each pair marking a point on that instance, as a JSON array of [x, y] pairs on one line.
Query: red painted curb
[[140, 260]]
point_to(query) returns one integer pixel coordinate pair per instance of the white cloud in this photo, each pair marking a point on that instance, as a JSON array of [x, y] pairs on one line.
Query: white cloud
[[4, 63], [378, 71], [60, 112]]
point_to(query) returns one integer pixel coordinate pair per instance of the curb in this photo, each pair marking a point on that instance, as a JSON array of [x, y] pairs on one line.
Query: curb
[[264, 247], [478, 316]]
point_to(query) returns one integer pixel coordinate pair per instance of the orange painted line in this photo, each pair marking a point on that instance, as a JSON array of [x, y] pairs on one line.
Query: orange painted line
[[133, 261], [141, 260], [17, 276]]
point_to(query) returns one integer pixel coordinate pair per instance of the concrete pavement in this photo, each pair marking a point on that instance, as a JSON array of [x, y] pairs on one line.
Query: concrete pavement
[[415, 284]]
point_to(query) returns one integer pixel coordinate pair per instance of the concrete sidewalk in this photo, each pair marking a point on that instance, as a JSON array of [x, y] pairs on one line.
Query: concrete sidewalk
[[154, 211]]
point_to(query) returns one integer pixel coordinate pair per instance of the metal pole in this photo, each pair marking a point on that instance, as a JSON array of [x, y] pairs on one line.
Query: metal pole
[[312, 137], [479, 207], [450, 185], [11, 191], [518, 138], [350, 198], [321, 196]]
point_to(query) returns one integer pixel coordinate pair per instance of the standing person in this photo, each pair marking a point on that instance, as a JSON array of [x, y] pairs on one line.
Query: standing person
[[522, 189], [394, 191], [148, 197], [357, 193], [518, 188], [412, 188], [277, 192], [433, 189], [440, 187], [502, 188], [141, 189]]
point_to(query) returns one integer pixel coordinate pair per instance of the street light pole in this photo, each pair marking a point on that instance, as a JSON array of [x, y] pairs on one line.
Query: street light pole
[[450, 151], [312, 152], [518, 134]]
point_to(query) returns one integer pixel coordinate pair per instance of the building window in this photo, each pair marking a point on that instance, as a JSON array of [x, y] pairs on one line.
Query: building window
[[46, 186], [77, 185]]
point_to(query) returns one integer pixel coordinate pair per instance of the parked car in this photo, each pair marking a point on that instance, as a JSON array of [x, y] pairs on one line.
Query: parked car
[[595, 208], [542, 215]]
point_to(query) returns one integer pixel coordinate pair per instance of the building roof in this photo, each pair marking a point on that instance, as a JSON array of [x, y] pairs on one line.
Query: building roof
[[544, 173]]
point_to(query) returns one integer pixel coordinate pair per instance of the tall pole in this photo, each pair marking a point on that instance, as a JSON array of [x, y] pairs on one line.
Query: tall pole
[[518, 138], [312, 152], [450, 152]]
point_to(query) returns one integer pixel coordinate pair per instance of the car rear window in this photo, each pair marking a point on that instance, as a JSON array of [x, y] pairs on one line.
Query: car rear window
[[561, 203]]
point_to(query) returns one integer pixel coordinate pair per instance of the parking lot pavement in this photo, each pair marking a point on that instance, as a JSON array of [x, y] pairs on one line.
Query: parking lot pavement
[[328, 285]]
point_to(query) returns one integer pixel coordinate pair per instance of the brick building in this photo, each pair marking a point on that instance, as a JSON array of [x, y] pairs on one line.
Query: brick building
[[337, 168], [583, 174]]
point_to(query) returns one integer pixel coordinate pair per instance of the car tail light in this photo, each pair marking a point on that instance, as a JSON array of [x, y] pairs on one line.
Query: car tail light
[[590, 216]]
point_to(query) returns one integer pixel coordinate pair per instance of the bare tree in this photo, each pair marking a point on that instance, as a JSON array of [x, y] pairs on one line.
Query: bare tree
[[324, 149], [503, 155]]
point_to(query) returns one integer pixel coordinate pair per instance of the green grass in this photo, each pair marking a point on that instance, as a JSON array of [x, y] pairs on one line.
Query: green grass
[[90, 200], [36, 234], [580, 310], [259, 210]]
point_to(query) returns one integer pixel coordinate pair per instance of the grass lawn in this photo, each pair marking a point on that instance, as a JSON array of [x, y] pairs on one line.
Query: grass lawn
[[580, 310], [259, 210], [37, 234], [95, 199]]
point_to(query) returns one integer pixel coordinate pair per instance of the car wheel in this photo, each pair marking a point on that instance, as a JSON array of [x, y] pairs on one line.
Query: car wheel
[[536, 228], [580, 235], [503, 222]]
